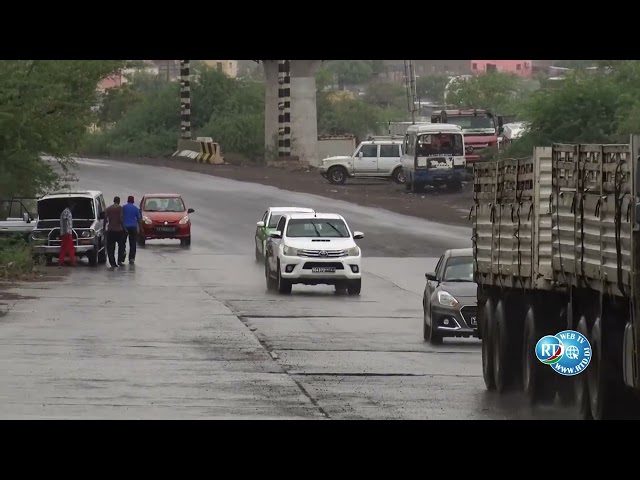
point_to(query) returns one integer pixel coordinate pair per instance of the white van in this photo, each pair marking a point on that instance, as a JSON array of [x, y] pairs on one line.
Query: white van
[[434, 154]]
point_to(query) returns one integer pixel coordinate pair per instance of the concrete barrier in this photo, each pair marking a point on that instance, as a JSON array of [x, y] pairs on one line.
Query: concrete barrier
[[202, 150]]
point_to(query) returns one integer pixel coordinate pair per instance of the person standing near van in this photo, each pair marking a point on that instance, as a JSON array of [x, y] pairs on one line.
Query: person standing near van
[[115, 233], [132, 217], [66, 236]]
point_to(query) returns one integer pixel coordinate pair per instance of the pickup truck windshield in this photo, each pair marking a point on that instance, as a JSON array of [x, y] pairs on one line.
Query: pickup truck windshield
[[440, 144], [316, 227], [51, 208]]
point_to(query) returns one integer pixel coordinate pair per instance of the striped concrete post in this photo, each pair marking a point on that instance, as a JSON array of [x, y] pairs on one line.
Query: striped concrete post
[[284, 107], [185, 99]]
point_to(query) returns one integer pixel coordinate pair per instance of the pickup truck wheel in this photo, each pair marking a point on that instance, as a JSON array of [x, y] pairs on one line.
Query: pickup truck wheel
[[398, 175], [354, 287], [272, 284], [284, 285], [337, 175]]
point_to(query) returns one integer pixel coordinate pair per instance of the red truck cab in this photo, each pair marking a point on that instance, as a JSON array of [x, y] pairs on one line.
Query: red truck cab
[[481, 129]]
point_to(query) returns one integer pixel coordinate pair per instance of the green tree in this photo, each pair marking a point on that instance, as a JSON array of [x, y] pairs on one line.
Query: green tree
[[350, 72], [584, 107], [498, 92], [115, 102], [387, 95], [431, 87], [45, 107]]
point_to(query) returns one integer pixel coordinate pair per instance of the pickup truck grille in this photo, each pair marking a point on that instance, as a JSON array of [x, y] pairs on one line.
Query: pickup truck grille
[[322, 253], [310, 265]]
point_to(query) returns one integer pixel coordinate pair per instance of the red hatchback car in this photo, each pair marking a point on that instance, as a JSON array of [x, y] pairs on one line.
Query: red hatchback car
[[164, 215]]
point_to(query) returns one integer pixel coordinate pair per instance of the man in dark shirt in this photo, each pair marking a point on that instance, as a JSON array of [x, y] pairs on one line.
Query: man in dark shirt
[[131, 220], [115, 232]]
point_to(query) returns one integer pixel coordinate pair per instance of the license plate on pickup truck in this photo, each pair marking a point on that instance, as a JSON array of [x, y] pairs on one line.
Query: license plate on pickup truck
[[323, 269]]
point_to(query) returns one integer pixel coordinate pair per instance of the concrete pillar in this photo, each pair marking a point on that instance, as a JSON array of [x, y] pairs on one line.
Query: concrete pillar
[[304, 117], [271, 107]]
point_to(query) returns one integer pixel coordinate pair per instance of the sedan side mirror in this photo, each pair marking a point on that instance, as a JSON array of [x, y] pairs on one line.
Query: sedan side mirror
[[358, 235], [191, 210], [431, 276], [260, 224], [276, 234]]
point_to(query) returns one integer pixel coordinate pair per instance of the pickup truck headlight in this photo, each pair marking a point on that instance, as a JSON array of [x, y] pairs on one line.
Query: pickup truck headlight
[[353, 251], [88, 233], [39, 235], [290, 251], [184, 220], [147, 220], [446, 299]]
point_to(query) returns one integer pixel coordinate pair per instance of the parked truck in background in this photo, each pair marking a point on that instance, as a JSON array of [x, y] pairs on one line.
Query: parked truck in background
[[481, 129], [556, 243]]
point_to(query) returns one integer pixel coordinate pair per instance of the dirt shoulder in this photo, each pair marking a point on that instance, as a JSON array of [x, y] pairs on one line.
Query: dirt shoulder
[[438, 206]]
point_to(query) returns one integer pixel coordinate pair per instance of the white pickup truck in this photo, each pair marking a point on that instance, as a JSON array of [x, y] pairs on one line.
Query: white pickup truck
[[378, 157]]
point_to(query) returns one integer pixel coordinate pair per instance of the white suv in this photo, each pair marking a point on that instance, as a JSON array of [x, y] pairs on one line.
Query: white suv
[[378, 157], [313, 249]]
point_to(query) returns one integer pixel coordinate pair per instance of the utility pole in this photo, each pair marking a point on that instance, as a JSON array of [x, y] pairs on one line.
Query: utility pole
[[185, 99], [410, 85]]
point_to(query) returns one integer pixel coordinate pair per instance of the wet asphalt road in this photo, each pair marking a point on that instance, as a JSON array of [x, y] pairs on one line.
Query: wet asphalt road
[[193, 333]]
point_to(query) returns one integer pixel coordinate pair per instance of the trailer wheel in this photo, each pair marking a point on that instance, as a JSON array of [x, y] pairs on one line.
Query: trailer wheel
[[606, 390], [538, 381], [503, 351], [486, 324], [580, 384], [566, 385]]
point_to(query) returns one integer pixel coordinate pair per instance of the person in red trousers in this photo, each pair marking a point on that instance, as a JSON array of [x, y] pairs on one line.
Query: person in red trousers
[[66, 237]]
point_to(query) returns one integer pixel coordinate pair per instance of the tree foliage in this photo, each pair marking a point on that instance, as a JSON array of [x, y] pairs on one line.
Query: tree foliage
[[45, 107], [495, 91], [599, 107], [431, 87]]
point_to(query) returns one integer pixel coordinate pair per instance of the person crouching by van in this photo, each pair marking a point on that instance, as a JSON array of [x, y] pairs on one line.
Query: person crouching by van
[[66, 236]]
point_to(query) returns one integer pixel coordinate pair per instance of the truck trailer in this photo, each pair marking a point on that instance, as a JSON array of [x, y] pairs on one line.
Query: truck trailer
[[556, 244]]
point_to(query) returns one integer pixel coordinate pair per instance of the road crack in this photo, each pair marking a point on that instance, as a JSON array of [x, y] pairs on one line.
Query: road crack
[[274, 357]]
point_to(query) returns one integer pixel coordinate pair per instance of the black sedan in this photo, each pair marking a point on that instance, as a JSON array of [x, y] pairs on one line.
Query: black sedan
[[450, 302]]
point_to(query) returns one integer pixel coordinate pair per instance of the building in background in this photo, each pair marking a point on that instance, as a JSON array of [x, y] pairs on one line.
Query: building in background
[[394, 69], [167, 69], [522, 68], [230, 67]]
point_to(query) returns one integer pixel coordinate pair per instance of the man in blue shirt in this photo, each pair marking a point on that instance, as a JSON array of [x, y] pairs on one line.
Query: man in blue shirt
[[131, 219]]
